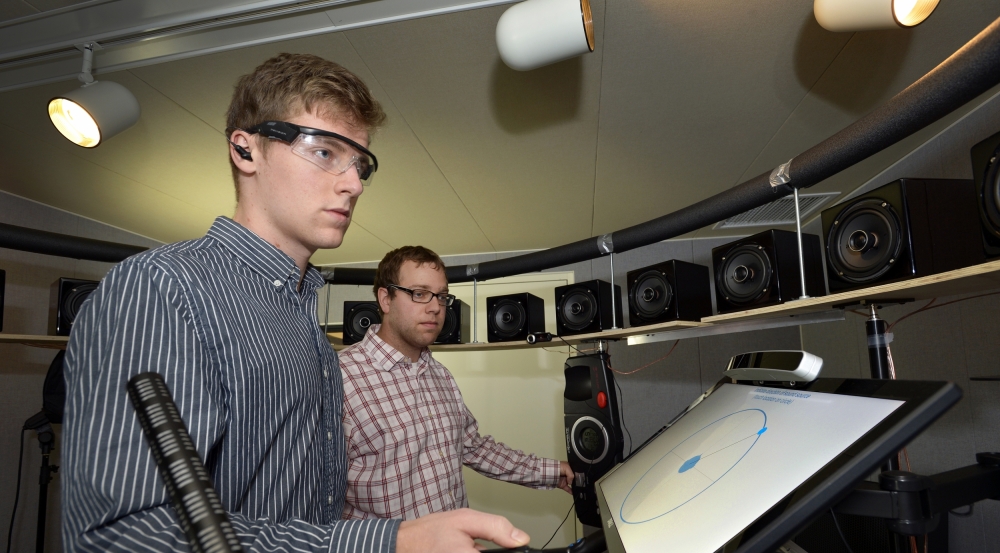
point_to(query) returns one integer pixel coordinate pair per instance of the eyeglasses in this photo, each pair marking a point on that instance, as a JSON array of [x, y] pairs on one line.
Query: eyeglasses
[[327, 150], [425, 296]]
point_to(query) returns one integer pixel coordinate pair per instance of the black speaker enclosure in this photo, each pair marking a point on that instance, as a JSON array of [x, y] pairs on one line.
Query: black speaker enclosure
[[457, 326], [669, 291], [66, 297], [585, 307], [358, 318], [594, 441], [513, 316], [905, 229], [763, 269], [986, 176]]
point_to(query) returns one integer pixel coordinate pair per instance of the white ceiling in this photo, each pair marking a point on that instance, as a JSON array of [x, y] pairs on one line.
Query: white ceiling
[[682, 99]]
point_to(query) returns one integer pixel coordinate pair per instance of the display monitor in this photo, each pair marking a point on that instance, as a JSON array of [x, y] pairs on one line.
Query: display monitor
[[750, 465]]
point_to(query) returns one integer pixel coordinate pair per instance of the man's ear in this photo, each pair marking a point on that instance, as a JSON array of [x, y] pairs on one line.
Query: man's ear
[[243, 151], [383, 300]]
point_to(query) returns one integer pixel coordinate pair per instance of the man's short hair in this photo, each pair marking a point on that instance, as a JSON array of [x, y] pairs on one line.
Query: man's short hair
[[388, 269], [290, 84]]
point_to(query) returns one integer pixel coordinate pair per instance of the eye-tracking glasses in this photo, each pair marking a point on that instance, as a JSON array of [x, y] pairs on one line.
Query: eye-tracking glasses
[[327, 150], [425, 296]]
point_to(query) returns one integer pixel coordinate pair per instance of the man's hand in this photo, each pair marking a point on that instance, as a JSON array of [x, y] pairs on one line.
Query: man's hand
[[566, 477], [455, 531]]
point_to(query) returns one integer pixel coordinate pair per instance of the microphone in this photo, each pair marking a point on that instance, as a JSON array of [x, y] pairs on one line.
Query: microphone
[[195, 501]]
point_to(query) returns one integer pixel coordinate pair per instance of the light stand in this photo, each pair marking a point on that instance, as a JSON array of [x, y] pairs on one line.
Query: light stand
[[46, 438]]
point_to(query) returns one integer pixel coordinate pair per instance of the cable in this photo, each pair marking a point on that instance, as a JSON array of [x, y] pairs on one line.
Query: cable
[[839, 531], [20, 461], [621, 415], [647, 365], [560, 526]]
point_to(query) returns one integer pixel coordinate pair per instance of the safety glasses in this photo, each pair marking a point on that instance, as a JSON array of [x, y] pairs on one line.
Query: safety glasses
[[329, 151]]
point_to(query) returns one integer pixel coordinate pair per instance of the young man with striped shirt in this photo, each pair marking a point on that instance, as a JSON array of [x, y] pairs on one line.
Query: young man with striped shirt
[[230, 322], [408, 430]]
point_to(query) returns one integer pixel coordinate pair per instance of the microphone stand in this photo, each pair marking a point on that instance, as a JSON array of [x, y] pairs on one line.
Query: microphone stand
[[46, 440]]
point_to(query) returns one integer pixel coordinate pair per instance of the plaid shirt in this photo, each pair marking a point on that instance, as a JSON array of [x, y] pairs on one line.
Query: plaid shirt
[[409, 433]]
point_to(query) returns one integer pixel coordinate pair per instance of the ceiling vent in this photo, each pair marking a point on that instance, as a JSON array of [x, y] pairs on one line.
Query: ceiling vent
[[779, 212]]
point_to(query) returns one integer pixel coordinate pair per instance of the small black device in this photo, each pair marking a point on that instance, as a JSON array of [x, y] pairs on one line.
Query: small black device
[[586, 307], [594, 441], [670, 291], [456, 328], [513, 317], [763, 269], [537, 337], [358, 317], [905, 229], [66, 297], [986, 174]]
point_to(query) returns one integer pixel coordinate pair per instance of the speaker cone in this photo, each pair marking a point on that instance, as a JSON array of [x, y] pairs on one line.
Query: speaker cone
[[450, 324], [362, 317], [864, 241], [990, 195], [508, 318], [744, 274], [577, 308], [75, 298], [651, 294]]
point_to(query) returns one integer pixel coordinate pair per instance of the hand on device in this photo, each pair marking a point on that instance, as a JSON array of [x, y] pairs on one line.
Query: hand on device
[[566, 477], [455, 532]]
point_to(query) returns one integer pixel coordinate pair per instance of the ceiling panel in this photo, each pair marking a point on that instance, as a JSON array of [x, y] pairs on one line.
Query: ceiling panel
[[518, 148]]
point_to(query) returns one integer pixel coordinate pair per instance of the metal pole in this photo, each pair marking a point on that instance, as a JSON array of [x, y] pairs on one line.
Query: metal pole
[[475, 312], [614, 299], [878, 360], [798, 232]]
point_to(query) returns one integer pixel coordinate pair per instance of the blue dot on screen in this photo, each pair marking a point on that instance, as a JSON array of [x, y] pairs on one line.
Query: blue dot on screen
[[690, 463]]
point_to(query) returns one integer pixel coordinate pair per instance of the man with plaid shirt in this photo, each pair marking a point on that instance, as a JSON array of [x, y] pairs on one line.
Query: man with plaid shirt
[[408, 430]]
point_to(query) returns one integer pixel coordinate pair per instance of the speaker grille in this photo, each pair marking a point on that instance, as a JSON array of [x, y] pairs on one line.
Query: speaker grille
[[744, 274], [577, 308], [358, 319], [507, 318], [651, 294], [74, 299], [865, 240], [990, 195]]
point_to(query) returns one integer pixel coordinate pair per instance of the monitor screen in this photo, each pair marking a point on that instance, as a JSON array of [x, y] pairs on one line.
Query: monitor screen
[[727, 462]]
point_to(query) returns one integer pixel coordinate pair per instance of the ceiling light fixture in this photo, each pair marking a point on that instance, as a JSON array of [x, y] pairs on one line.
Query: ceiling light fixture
[[94, 112], [539, 32], [864, 15]]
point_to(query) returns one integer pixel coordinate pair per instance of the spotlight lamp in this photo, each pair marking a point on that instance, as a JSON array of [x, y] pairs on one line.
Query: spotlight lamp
[[864, 15], [539, 32], [94, 112]]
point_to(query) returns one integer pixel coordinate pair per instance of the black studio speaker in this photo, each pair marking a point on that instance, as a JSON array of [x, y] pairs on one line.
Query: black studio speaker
[[457, 328], [594, 442], [66, 297], [986, 174], [358, 317], [908, 228], [669, 291], [763, 269], [513, 317], [586, 307]]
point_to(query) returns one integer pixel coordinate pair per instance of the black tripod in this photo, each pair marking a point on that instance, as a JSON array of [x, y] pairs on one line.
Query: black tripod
[[46, 439]]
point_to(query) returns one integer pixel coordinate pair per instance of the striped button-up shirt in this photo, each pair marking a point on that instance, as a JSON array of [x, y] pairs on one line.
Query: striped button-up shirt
[[225, 321], [409, 433]]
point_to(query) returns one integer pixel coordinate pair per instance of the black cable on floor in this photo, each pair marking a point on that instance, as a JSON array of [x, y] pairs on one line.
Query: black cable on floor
[[17, 493], [558, 527]]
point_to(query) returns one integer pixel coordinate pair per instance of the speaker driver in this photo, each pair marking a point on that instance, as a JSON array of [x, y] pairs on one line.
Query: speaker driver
[[864, 241], [990, 204], [508, 318], [578, 309], [744, 274], [75, 298], [363, 317], [450, 323], [651, 294]]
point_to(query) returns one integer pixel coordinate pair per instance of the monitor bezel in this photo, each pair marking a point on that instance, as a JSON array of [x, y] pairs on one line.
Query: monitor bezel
[[923, 403]]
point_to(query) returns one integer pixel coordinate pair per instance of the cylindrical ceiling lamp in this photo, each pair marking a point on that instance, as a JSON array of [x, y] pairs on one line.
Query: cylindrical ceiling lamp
[[539, 32], [89, 115], [864, 15]]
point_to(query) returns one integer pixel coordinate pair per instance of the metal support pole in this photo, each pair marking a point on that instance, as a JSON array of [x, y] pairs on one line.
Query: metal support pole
[[614, 299], [475, 312], [878, 360], [802, 260]]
